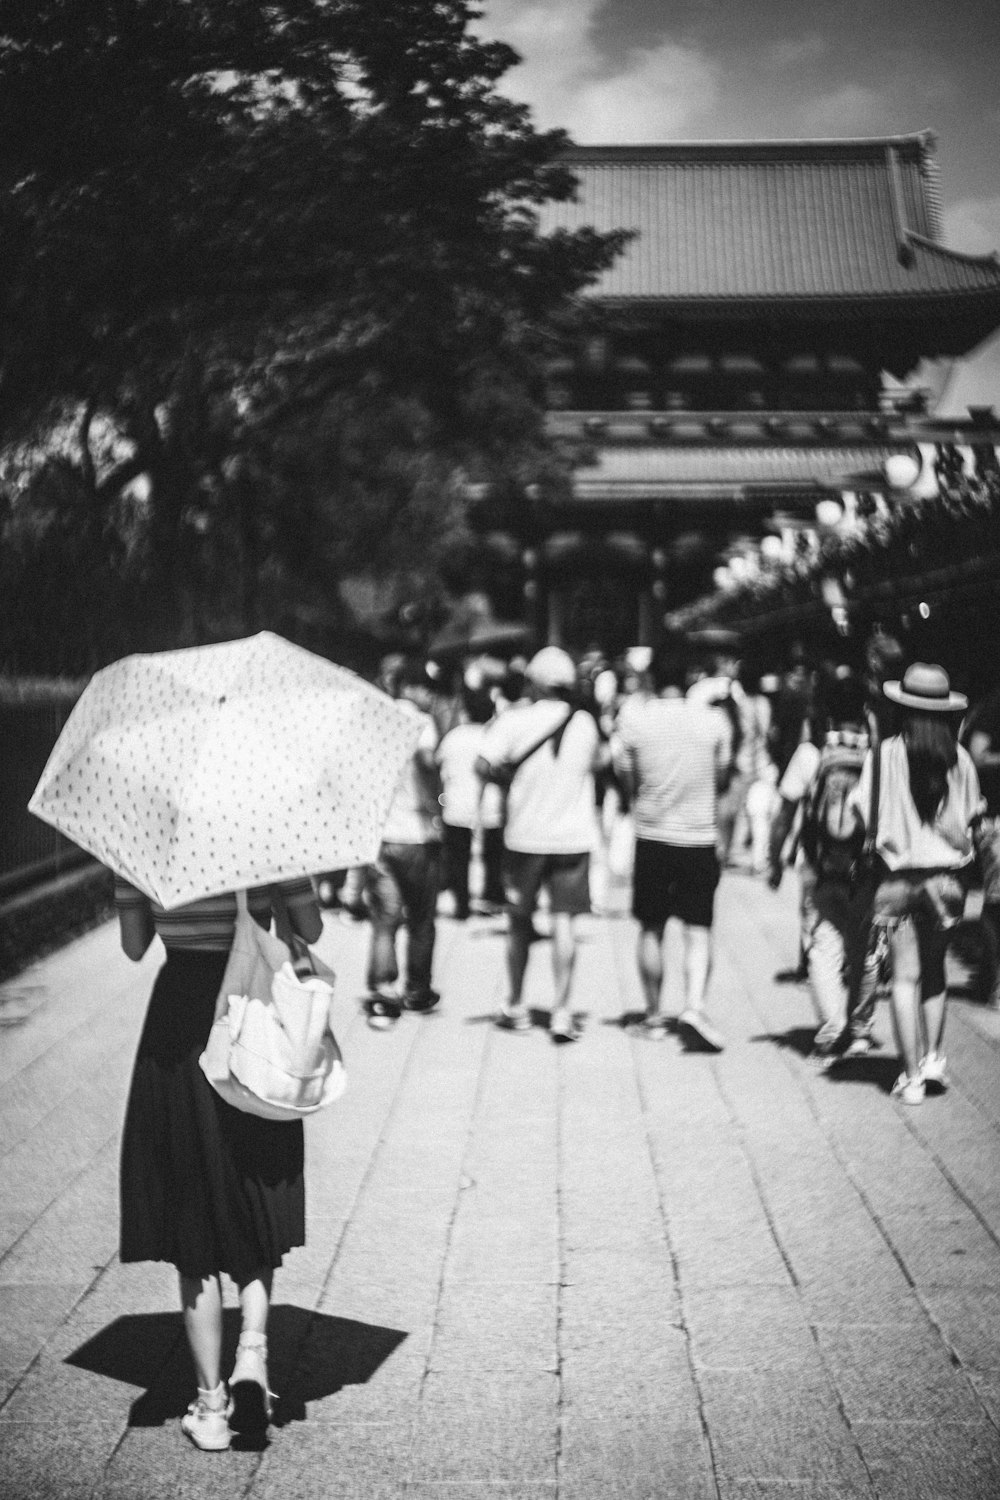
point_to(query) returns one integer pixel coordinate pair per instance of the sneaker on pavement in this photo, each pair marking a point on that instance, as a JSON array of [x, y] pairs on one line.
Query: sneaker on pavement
[[516, 1019], [207, 1425], [822, 1059], [252, 1402], [908, 1090], [860, 1046], [933, 1072], [697, 1032], [382, 1012]]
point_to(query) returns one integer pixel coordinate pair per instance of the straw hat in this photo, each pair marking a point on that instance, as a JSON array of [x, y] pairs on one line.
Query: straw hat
[[925, 686]]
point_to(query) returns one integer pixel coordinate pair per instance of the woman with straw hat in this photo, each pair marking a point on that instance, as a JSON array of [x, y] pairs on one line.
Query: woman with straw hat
[[927, 801]]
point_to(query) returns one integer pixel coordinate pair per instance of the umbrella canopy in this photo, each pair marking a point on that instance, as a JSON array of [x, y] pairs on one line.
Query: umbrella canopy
[[205, 770]]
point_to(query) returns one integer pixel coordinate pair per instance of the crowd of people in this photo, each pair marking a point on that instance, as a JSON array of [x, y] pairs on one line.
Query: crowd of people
[[540, 773], [530, 780]]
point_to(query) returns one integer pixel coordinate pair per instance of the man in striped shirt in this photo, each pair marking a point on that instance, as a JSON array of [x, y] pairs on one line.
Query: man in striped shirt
[[674, 756]]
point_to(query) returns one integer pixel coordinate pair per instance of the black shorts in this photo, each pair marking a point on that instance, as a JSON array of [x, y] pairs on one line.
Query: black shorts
[[674, 880], [566, 876]]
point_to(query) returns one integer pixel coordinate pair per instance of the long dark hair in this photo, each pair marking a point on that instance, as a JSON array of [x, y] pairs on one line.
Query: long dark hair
[[930, 754]]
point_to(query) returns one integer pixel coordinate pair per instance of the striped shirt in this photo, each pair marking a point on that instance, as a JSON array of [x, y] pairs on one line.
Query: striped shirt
[[207, 926], [673, 747]]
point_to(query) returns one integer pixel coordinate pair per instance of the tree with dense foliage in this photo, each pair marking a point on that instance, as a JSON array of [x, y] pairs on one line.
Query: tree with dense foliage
[[291, 254]]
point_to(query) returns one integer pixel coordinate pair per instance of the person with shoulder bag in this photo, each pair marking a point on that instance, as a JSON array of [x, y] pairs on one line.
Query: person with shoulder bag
[[928, 807], [545, 752], [206, 1186]]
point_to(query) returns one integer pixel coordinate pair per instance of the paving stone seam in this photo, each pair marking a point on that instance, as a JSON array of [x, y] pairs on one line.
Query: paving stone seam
[[118, 998], [110, 1139], [646, 1116], [108, 1082], [844, 1162], [464, 1177], [741, 1137], [363, 1183]]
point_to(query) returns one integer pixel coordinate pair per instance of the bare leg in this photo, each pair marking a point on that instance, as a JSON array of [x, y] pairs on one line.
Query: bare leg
[[907, 1020], [650, 962], [697, 965], [906, 1024], [255, 1302], [563, 963], [518, 948], [248, 1382], [933, 1010], [201, 1302]]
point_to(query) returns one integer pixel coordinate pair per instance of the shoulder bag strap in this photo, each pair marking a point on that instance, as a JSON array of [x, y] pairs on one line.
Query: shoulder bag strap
[[871, 833], [302, 959], [515, 765]]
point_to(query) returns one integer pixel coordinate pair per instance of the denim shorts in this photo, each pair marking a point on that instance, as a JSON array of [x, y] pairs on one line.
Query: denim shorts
[[565, 876], [918, 909]]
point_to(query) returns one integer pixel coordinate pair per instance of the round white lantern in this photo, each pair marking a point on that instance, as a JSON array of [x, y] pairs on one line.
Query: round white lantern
[[829, 513], [902, 470]]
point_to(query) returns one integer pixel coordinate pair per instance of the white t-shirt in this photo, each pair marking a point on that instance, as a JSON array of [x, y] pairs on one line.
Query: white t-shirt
[[674, 747], [465, 801], [550, 804], [414, 813], [902, 840]]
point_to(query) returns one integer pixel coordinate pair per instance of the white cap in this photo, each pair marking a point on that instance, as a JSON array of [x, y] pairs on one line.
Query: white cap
[[552, 667]]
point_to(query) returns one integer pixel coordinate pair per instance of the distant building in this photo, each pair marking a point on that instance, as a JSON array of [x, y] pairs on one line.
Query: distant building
[[742, 364]]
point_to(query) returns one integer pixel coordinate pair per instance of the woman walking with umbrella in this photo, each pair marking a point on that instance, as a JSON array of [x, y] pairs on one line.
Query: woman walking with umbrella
[[927, 801], [194, 775], [204, 1186]]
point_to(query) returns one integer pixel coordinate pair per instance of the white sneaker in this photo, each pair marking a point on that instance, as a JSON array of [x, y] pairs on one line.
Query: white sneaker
[[252, 1402], [908, 1090], [208, 1425], [861, 1046], [697, 1032], [933, 1071]]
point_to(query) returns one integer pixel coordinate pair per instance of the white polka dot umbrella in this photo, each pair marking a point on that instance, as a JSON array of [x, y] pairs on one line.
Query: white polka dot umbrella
[[206, 770]]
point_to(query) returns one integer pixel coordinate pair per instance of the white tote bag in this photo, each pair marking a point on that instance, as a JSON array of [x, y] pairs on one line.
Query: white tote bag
[[271, 1050]]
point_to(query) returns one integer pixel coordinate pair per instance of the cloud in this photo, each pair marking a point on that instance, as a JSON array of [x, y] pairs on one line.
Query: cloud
[[973, 225], [644, 94], [849, 110]]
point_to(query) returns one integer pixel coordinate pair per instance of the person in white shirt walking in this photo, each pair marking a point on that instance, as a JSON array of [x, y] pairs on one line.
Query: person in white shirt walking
[[467, 805], [550, 826], [401, 887], [674, 756]]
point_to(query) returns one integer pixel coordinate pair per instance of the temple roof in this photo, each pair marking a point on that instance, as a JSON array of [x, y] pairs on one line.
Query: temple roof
[[837, 220]]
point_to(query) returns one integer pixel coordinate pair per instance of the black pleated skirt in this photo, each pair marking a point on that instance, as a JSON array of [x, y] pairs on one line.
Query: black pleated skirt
[[203, 1185]]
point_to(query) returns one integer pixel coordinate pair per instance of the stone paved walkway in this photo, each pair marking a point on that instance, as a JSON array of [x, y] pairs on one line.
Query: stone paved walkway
[[610, 1270]]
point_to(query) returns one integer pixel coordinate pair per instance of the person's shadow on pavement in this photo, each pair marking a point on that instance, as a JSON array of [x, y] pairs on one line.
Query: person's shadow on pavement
[[310, 1355], [877, 1069]]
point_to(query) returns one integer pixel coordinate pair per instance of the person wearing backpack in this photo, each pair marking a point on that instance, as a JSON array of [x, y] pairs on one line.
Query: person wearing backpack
[[929, 806], [819, 787]]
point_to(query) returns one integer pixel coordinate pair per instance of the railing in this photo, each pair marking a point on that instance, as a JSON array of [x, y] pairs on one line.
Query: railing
[[31, 717]]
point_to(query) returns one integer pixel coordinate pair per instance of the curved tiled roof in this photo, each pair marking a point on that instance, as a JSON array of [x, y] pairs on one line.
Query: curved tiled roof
[[840, 219]]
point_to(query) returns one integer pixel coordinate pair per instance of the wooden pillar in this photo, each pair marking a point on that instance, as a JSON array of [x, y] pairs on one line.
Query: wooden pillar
[[557, 616]]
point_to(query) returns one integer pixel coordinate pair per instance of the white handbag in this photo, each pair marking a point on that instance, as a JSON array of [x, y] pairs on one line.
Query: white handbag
[[271, 1050]]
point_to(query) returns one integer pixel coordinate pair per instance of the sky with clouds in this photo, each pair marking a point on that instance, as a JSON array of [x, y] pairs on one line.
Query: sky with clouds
[[667, 70]]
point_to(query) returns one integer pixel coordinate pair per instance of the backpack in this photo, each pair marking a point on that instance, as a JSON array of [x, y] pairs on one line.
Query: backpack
[[830, 836]]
